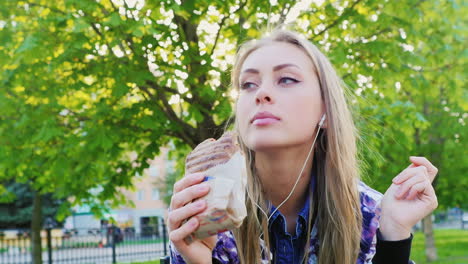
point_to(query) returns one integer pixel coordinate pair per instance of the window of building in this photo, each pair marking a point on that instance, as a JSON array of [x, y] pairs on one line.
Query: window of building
[[170, 166], [140, 195], [153, 171], [155, 194]]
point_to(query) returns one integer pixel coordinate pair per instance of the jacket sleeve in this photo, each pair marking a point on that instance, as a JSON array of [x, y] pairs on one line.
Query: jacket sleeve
[[224, 252], [392, 252], [374, 249], [370, 209]]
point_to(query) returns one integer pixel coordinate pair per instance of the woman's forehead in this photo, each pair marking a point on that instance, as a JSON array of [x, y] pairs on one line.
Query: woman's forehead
[[271, 55]]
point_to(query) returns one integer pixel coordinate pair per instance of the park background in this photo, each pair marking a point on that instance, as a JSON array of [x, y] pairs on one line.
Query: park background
[[91, 91]]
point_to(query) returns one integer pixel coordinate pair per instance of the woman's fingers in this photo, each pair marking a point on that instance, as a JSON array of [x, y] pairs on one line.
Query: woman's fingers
[[176, 216], [417, 162], [416, 189], [186, 190], [422, 161], [427, 190], [189, 194], [177, 236], [188, 180], [430, 192], [408, 184], [409, 173]]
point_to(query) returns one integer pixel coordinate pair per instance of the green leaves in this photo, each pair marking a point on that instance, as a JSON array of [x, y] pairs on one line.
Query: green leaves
[[85, 83], [28, 44], [115, 20]]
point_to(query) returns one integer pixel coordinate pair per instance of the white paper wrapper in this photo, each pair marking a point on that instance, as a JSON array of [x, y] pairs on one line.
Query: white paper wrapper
[[226, 199]]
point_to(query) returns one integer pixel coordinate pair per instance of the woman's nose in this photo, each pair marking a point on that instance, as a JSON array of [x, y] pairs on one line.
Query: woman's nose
[[263, 96]]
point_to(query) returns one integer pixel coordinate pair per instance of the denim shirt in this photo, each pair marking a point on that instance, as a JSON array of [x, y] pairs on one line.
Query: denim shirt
[[225, 250], [287, 248]]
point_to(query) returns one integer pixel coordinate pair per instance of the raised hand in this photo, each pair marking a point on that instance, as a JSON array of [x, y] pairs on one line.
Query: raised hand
[[409, 199]]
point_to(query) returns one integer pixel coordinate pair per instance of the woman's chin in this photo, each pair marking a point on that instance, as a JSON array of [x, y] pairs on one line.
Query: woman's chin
[[264, 145], [268, 143]]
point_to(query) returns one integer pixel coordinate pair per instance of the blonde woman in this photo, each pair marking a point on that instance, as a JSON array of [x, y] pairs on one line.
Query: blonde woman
[[305, 201]]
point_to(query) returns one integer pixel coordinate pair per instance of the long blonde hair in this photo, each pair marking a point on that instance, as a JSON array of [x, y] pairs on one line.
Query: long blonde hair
[[336, 201]]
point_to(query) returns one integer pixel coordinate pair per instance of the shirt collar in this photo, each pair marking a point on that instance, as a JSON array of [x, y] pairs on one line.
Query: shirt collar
[[277, 219]]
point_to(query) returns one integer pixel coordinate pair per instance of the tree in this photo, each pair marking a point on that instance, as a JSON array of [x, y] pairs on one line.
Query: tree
[[16, 212], [86, 82]]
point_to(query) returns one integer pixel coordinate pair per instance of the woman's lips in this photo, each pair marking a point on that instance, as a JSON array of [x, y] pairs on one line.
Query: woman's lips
[[264, 121], [264, 118]]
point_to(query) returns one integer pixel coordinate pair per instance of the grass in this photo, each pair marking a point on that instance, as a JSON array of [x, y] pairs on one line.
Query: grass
[[451, 244], [147, 262], [140, 241]]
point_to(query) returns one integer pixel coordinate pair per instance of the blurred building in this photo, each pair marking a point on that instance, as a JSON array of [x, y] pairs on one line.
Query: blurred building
[[149, 209]]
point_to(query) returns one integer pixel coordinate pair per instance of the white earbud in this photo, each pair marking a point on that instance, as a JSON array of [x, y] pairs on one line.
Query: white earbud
[[322, 120]]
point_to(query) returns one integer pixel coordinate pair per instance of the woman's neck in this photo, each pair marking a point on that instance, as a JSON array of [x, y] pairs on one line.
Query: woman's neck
[[278, 172]]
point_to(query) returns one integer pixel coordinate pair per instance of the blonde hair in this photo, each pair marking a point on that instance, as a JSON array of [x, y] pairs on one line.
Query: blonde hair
[[336, 202]]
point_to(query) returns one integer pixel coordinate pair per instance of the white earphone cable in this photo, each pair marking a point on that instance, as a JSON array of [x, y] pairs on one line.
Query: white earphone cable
[[298, 177]]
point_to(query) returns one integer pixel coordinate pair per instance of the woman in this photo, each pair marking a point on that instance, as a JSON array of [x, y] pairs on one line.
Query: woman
[[305, 202]]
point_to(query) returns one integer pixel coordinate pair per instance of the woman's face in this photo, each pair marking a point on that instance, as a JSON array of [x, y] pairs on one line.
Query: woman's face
[[279, 104]]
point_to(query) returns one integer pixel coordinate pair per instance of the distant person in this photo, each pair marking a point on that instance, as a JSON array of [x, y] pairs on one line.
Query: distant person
[[118, 235]]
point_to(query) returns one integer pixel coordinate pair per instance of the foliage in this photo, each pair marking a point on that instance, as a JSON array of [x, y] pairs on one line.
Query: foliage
[[17, 213], [85, 83]]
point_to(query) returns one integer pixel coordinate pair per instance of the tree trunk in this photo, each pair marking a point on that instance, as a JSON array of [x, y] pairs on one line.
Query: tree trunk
[[36, 226], [431, 251]]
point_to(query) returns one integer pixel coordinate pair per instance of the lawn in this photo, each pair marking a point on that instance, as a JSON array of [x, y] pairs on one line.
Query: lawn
[[147, 262], [452, 248], [451, 244]]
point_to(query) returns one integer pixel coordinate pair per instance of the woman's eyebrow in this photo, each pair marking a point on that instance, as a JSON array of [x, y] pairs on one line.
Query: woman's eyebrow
[[282, 66], [276, 68], [251, 70]]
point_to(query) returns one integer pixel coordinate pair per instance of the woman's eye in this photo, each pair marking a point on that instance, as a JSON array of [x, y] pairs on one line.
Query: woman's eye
[[288, 80], [247, 85]]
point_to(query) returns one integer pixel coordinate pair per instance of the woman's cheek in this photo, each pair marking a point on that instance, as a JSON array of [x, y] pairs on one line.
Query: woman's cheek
[[241, 118]]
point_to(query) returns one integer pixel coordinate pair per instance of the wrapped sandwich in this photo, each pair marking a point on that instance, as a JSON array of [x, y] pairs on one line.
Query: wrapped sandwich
[[224, 167]]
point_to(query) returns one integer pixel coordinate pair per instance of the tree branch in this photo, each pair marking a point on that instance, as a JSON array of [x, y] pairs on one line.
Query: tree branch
[[51, 8], [436, 69], [221, 24], [187, 132], [338, 20], [284, 14], [387, 29], [96, 30], [169, 90]]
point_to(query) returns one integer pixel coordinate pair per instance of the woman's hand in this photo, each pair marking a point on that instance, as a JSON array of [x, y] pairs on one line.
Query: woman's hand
[[186, 190], [409, 199]]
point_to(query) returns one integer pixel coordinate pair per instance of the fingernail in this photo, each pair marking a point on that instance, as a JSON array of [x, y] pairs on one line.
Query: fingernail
[[203, 187], [199, 204], [398, 192], [207, 178]]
